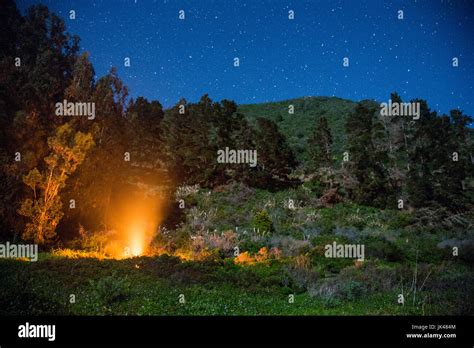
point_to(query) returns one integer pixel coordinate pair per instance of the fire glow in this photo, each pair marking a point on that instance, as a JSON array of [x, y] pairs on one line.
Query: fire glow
[[137, 240], [135, 221]]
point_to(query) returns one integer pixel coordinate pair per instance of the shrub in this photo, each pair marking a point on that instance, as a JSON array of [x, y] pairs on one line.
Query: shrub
[[263, 255], [321, 240], [262, 222], [352, 290], [400, 220], [290, 246], [244, 258], [375, 277], [326, 290], [111, 289], [201, 220], [77, 254], [315, 186], [301, 275], [330, 197], [452, 288], [252, 244], [380, 248], [226, 242], [92, 241], [334, 290], [465, 249], [238, 193], [223, 243], [185, 191], [327, 264]]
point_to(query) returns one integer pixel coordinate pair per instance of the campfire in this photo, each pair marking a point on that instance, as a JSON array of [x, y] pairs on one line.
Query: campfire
[[134, 221]]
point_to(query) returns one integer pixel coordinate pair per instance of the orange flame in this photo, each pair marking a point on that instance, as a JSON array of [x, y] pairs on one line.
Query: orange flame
[[135, 219], [137, 239]]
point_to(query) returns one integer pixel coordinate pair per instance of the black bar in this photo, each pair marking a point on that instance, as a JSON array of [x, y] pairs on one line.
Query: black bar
[[241, 330]]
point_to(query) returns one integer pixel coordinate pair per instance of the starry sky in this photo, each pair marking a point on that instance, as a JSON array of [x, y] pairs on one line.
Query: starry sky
[[281, 58]]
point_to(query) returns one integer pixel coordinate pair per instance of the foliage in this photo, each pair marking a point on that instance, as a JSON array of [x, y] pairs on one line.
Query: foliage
[[68, 150], [262, 222], [111, 289], [320, 144], [275, 157], [366, 161]]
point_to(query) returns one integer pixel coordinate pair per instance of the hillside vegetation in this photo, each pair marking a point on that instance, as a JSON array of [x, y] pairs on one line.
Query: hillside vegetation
[[297, 127]]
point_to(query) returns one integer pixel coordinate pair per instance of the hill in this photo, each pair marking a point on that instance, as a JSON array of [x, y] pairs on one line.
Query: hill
[[297, 127]]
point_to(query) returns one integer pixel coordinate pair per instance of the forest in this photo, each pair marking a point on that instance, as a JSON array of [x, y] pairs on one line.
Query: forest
[[136, 210]]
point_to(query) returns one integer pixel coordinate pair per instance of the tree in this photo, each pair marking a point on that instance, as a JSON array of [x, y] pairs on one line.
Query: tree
[[319, 149], [367, 162], [49, 52], [82, 83], [435, 177], [243, 136], [462, 136], [36, 56], [319, 144], [190, 153], [145, 120], [276, 159], [105, 170], [231, 129], [399, 132], [68, 150]]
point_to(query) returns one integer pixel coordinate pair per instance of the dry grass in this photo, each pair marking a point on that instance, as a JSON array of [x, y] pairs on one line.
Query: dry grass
[[79, 254]]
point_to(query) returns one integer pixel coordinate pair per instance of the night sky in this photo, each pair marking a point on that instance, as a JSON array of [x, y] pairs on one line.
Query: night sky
[[281, 58]]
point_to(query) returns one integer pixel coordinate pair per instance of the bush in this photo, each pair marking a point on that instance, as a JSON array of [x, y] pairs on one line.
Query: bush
[[452, 288], [262, 222], [301, 276], [326, 290], [375, 277], [352, 290], [111, 289], [200, 219], [263, 255], [223, 243], [315, 186], [252, 244], [400, 220], [334, 290], [423, 248], [325, 264], [380, 248], [290, 246], [244, 258], [237, 193], [90, 241]]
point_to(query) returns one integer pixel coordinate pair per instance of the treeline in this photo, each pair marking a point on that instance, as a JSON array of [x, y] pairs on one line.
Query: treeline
[[397, 161], [59, 172]]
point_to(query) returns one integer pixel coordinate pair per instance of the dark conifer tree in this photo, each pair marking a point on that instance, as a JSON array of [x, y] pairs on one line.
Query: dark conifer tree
[[319, 145], [276, 159], [144, 119], [190, 154], [367, 162], [435, 176]]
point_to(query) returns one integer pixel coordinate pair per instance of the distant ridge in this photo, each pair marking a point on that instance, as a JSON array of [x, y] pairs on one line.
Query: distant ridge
[[298, 126]]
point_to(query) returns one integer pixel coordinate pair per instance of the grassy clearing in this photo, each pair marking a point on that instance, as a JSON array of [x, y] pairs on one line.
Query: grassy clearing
[[153, 285], [281, 255]]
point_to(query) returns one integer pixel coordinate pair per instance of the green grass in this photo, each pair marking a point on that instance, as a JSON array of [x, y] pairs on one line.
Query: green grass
[[152, 286]]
